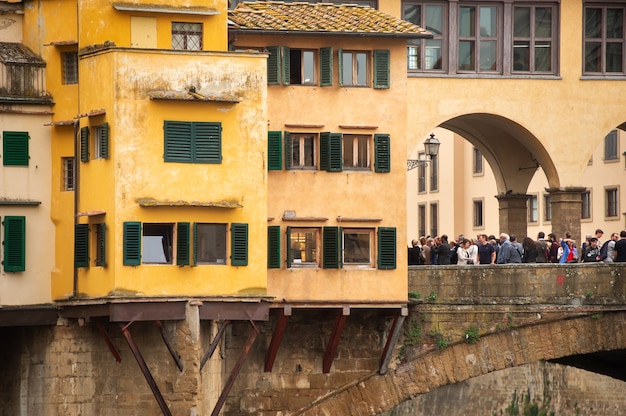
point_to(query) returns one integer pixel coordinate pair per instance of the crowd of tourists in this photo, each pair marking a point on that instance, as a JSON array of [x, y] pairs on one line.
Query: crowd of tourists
[[484, 249]]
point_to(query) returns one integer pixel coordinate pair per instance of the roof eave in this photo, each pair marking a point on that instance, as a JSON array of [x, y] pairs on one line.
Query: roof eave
[[319, 33]]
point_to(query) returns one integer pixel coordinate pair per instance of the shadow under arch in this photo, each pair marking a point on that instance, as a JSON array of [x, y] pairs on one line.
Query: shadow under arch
[[513, 152], [378, 393]]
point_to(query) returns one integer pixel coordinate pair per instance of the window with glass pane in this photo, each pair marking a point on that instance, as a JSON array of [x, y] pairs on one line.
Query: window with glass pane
[[426, 54], [354, 68], [210, 243], [421, 220], [478, 31], [434, 219], [157, 243], [187, 36], [533, 209], [478, 162], [612, 203], [357, 247], [356, 152], [604, 39], [69, 165], [610, 146], [302, 67], [303, 245], [547, 207], [421, 173], [303, 151], [585, 209], [69, 67], [533, 39], [478, 213], [434, 173]]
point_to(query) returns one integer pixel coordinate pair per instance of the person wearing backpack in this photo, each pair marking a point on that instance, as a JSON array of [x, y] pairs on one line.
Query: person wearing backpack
[[591, 253], [607, 252]]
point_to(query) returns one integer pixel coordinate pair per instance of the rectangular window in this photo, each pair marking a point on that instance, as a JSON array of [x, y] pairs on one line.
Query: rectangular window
[[157, 243], [101, 141], [434, 173], [187, 36], [434, 219], [353, 69], [547, 207], [610, 146], [533, 209], [69, 67], [604, 39], [585, 213], [478, 213], [303, 246], [533, 39], [301, 150], [14, 244], [209, 243], [421, 220], [356, 152], [15, 148], [612, 202], [421, 173], [426, 54], [478, 39], [68, 165], [193, 142], [477, 162], [302, 64], [357, 247]]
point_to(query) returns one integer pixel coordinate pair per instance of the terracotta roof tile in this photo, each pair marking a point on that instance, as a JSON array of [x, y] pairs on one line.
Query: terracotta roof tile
[[320, 17]]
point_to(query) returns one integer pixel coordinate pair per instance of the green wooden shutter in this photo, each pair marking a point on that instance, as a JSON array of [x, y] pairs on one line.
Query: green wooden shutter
[[239, 244], [325, 151], [101, 246], [273, 65], [382, 145], [273, 247], [195, 243], [326, 67], [177, 138], [81, 245], [335, 152], [207, 142], [132, 243], [274, 150], [104, 142], [15, 148], [331, 249], [14, 244], [340, 66], [386, 248], [381, 69], [288, 248], [182, 244], [84, 144], [286, 65], [287, 150]]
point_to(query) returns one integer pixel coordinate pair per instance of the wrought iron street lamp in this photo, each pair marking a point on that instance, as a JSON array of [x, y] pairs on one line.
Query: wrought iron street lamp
[[431, 149]]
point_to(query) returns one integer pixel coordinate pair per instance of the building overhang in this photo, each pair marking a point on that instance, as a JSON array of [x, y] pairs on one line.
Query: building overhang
[[164, 8], [28, 315]]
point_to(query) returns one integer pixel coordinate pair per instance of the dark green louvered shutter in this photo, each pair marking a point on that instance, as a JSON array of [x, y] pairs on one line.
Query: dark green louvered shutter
[[81, 245], [288, 146], [132, 243], [101, 247], [340, 66], [195, 243], [335, 152], [182, 244], [177, 137], [324, 151], [274, 150], [381, 69], [286, 64], [273, 65], [331, 250], [239, 244], [14, 244], [15, 148], [273, 247], [104, 141], [382, 144], [387, 248], [289, 251], [326, 67], [207, 142], [84, 144]]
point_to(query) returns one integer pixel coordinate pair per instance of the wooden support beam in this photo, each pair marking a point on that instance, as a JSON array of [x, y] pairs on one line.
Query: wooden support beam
[[333, 343], [277, 337], [108, 341], [214, 343], [392, 339], [169, 346]]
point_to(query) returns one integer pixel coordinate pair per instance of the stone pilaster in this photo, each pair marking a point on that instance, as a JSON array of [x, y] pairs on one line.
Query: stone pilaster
[[566, 211], [513, 214]]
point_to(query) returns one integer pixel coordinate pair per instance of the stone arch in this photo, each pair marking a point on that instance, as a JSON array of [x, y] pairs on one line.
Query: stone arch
[[549, 340]]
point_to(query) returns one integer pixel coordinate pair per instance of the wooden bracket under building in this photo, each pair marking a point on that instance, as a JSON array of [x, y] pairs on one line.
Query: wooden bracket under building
[[394, 334], [214, 343], [333, 343], [277, 337]]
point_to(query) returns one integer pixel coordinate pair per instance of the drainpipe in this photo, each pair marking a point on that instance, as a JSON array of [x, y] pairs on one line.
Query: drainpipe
[[76, 199]]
